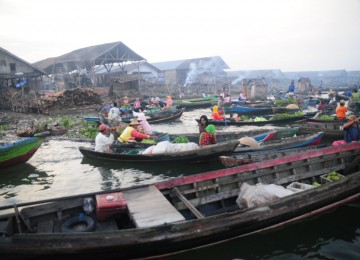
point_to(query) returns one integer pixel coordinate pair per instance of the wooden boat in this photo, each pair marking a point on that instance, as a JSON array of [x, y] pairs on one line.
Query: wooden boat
[[331, 130], [279, 122], [201, 154], [186, 212], [248, 110], [155, 117], [259, 156], [260, 135], [194, 103], [19, 151], [285, 143], [276, 110]]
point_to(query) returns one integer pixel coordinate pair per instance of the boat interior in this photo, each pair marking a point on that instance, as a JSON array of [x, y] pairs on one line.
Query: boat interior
[[154, 205]]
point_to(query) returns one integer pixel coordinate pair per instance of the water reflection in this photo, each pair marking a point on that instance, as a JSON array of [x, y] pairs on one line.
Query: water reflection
[[335, 235], [15, 178]]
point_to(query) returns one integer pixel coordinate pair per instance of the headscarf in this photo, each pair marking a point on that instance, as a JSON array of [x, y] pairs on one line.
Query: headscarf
[[215, 109], [210, 129], [145, 124]]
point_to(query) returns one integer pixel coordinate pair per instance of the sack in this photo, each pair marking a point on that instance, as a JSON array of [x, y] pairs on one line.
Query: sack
[[248, 141]]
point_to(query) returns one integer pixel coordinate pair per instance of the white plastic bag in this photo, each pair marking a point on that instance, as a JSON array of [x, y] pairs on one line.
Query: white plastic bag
[[256, 195]]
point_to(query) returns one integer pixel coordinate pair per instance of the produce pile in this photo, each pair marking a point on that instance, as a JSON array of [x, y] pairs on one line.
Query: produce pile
[[333, 176], [181, 140]]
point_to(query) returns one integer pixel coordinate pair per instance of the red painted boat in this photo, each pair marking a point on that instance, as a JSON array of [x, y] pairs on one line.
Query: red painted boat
[[183, 213], [19, 151]]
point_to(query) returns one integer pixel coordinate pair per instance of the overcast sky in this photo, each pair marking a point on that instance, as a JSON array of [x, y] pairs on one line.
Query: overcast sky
[[291, 35]]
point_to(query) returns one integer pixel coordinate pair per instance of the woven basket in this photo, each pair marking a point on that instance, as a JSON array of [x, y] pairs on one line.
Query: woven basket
[[248, 141], [292, 106]]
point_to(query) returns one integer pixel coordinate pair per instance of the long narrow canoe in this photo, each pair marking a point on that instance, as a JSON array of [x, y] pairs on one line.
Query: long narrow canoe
[[331, 130], [285, 143], [279, 122], [259, 156], [19, 151], [201, 154], [183, 213]]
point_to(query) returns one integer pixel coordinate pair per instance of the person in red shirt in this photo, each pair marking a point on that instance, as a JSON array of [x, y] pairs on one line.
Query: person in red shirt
[[217, 114], [341, 111], [208, 136]]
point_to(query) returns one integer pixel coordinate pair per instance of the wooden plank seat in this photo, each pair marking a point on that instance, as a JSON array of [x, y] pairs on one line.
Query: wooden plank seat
[[148, 207]]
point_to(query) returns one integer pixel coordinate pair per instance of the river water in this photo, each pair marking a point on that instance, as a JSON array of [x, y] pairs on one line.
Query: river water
[[59, 169]]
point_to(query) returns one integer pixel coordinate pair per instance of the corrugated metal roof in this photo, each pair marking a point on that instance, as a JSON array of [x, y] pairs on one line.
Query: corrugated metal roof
[[168, 65], [41, 72], [115, 52]]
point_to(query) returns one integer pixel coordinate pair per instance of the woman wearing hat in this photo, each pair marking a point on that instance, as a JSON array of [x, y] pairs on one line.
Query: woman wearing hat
[[131, 133], [102, 141]]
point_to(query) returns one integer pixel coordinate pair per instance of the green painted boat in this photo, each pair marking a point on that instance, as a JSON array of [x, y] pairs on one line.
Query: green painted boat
[[194, 103], [19, 151]]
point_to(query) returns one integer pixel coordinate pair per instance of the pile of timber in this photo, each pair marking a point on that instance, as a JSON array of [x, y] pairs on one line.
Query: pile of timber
[[72, 98]]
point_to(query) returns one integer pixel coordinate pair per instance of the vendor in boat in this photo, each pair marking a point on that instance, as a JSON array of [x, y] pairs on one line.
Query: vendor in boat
[[208, 136], [242, 97], [131, 132], [137, 103], [341, 111], [352, 129], [217, 115], [125, 101], [104, 139], [114, 114], [169, 102], [204, 122], [145, 127]]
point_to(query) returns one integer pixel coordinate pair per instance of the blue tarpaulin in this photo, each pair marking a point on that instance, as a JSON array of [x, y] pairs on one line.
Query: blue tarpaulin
[[20, 84]]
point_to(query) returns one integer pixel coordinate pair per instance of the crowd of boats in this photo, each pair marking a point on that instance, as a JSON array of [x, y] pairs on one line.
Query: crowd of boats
[[280, 177]]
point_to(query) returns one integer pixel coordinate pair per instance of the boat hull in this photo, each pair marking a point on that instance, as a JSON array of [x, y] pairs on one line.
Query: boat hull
[[200, 190], [19, 152]]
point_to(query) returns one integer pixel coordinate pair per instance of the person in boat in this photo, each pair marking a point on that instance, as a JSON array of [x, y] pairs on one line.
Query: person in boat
[[137, 103], [341, 110], [169, 102], [291, 89], [227, 99], [204, 122], [208, 136], [114, 114], [321, 106], [355, 95], [125, 101], [104, 109], [217, 115], [145, 127], [104, 139], [131, 133], [242, 97], [352, 129]]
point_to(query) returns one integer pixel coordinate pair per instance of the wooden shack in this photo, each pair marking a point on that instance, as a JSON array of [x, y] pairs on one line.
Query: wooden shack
[[303, 86], [256, 89]]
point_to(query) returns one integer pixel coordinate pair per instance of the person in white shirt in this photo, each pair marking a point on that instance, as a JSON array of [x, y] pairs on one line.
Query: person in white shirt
[[114, 114], [102, 141]]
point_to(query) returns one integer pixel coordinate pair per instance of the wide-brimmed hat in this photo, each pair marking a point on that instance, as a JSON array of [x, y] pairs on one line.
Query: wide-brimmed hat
[[126, 97], [342, 101], [134, 122]]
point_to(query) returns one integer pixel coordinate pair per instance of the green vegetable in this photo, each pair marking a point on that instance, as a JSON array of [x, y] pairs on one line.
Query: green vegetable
[[181, 140], [316, 184]]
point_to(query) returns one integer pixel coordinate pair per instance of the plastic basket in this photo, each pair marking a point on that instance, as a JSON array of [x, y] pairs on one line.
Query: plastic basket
[[297, 186], [326, 180], [163, 137]]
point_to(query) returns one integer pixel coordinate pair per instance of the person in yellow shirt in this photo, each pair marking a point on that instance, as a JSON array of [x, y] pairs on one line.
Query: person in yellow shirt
[[131, 132]]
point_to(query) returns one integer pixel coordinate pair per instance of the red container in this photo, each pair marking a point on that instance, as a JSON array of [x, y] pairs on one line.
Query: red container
[[110, 204]]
